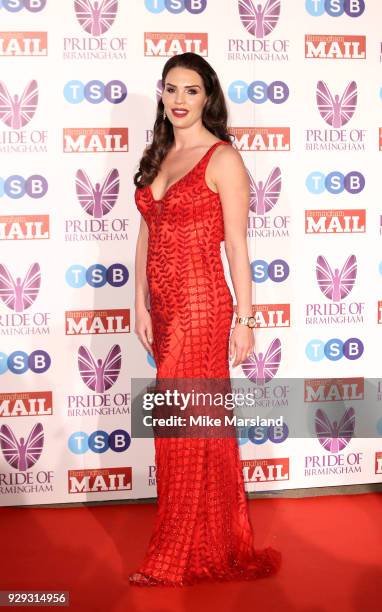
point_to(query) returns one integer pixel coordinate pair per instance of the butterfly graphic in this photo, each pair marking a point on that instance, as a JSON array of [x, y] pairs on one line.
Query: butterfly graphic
[[336, 285], [158, 90], [263, 367], [334, 436], [97, 17], [264, 197], [259, 21], [22, 455], [97, 201], [97, 375], [17, 295], [17, 112], [335, 111]]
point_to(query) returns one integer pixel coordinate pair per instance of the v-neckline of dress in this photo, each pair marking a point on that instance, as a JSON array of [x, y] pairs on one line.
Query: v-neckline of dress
[[182, 177]]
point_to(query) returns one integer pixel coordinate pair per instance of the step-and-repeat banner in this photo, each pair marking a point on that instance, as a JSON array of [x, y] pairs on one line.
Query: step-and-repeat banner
[[78, 91]]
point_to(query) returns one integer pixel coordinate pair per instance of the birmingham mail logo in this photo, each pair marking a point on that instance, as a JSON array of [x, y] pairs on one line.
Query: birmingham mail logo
[[99, 375], [19, 294], [261, 367], [16, 111], [22, 454], [336, 284], [96, 17], [334, 436], [259, 20], [97, 200], [264, 197], [336, 110]]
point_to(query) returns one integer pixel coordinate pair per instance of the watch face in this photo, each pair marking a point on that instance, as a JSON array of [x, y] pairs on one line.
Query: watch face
[[251, 322]]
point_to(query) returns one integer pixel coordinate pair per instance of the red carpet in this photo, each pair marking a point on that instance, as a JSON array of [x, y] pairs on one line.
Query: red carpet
[[332, 557]]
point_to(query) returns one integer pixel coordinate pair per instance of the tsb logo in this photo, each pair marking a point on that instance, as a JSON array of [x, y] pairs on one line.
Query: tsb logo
[[335, 8], [277, 270], [334, 349], [19, 362], [258, 92], [335, 182], [176, 6], [99, 441], [14, 6], [260, 434], [95, 92], [16, 187], [97, 275]]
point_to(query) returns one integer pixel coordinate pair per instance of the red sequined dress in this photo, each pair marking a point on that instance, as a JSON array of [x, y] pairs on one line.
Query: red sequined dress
[[202, 530]]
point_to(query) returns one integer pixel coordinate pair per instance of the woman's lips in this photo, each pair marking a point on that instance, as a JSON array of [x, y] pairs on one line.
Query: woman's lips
[[177, 112]]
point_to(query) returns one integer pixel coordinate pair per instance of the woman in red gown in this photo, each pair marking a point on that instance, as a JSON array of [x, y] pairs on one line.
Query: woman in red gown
[[192, 193]]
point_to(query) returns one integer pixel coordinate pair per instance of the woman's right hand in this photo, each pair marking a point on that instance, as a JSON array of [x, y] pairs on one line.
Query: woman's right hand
[[143, 328]]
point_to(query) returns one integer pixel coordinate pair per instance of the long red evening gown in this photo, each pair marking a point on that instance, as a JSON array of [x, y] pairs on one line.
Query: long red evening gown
[[202, 530]]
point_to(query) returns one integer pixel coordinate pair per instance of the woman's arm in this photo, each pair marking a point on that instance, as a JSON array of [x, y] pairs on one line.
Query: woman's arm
[[143, 326], [141, 285], [231, 179]]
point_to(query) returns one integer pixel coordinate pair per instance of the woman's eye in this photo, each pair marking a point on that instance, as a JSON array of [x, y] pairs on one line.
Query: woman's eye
[[170, 89], [192, 91]]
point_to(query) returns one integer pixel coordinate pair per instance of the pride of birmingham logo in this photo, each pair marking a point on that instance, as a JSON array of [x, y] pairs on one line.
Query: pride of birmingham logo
[[263, 198], [99, 375], [97, 200], [336, 285], [259, 20], [262, 367], [17, 111], [96, 17], [336, 110], [22, 454], [334, 436], [19, 294]]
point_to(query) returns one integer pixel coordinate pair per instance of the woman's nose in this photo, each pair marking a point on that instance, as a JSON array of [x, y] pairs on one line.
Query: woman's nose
[[179, 97]]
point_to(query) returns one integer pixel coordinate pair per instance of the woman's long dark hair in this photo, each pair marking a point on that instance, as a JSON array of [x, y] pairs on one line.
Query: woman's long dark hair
[[214, 116]]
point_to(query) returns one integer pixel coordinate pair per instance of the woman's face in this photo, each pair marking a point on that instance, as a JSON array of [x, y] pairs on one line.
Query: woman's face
[[183, 97]]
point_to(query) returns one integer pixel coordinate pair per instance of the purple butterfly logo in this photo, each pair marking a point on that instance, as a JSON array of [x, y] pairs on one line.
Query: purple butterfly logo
[[16, 294], [97, 375], [17, 112], [262, 368], [334, 436], [97, 201], [96, 17], [264, 197], [22, 454], [257, 20], [336, 111], [336, 285]]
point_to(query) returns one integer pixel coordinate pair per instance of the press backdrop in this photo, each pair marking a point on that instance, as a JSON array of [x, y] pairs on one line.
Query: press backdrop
[[78, 91]]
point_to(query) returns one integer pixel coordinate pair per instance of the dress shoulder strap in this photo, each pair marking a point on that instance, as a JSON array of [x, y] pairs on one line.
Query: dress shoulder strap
[[212, 149]]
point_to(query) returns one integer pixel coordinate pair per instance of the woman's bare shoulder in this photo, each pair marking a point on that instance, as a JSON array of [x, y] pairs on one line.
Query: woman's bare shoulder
[[226, 157]]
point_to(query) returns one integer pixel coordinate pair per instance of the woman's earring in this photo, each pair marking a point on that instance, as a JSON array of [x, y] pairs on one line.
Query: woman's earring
[[164, 114]]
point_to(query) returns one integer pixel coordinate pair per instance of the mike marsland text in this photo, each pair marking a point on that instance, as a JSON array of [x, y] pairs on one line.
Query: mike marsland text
[[208, 421]]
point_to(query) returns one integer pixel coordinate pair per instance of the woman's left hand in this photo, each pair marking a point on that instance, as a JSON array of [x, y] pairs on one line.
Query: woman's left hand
[[241, 344]]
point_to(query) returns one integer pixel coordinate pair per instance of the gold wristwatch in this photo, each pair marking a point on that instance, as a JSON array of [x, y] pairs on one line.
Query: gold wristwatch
[[249, 321]]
